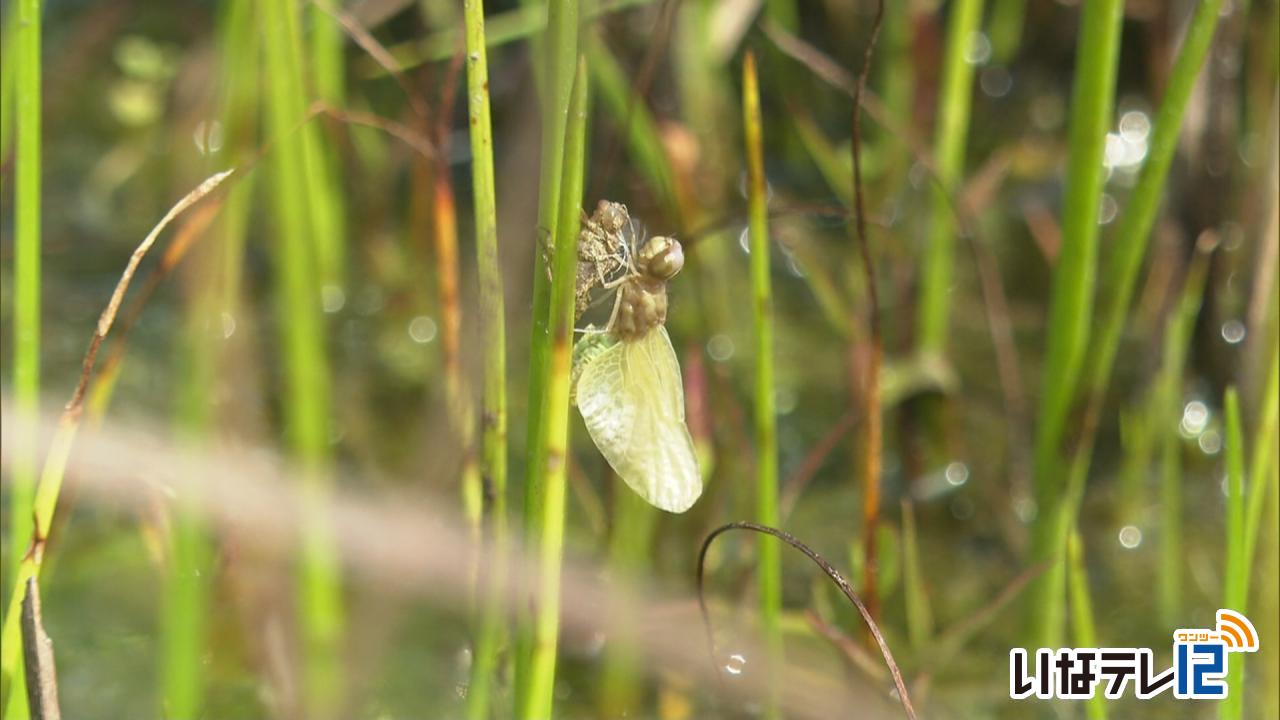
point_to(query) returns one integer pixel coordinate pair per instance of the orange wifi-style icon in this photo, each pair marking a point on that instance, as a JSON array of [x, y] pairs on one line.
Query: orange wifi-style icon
[[1237, 632]]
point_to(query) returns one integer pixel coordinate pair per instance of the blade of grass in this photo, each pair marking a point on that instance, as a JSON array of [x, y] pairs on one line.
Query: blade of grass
[[1260, 468], [493, 468], [919, 613], [1085, 635], [328, 210], [1166, 414], [559, 62], [769, 565], [1234, 578], [554, 426], [55, 464], [949, 150], [300, 266], [1071, 303]]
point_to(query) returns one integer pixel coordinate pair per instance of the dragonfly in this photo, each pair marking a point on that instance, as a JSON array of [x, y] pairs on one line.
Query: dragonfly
[[626, 379]]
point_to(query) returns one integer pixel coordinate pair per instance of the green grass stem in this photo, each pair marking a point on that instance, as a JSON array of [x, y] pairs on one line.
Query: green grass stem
[[951, 133], [300, 268], [630, 545], [1234, 577], [558, 63], [1084, 633], [1167, 411], [1005, 28], [769, 569], [1129, 246], [328, 211], [1261, 470], [554, 435], [26, 287], [919, 612], [493, 467], [1071, 305]]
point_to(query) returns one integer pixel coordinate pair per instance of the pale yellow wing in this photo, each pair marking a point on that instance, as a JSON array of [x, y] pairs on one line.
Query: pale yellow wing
[[632, 400]]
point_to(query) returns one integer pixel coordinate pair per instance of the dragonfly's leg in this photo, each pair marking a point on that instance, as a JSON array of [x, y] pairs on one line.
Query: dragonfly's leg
[[613, 315], [615, 282]]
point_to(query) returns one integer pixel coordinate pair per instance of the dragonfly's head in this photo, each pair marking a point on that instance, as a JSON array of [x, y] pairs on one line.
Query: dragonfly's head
[[661, 257]]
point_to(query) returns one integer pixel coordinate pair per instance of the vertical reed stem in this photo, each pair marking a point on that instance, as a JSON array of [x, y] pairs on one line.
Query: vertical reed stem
[[1071, 305], [26, 282], [769, 568], [300, 263], [493, 468], [555, 407], [559, 62], [949, 145], [1234, 577]]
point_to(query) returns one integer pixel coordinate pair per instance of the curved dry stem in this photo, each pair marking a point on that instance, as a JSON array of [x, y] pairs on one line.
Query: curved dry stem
[[831, 572]]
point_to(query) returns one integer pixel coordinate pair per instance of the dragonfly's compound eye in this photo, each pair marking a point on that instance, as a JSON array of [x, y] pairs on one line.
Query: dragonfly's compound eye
[[662, 257]]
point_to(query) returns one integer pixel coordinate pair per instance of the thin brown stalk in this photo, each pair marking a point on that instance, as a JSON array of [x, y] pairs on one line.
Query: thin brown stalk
[[903, 696], [799, 478], [995, 303], [377, 51], [871, 369]]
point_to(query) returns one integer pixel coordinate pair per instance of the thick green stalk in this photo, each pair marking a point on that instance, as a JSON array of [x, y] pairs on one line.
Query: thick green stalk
[[1234, 577], [949, 149], [306, 387], [328, 210], [559, 62], [1071, 304], [769, 571], [26, 281], [493, 334], [555, 408]]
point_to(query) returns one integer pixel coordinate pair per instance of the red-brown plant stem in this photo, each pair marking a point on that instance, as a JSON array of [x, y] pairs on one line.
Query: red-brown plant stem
[[871, 368]]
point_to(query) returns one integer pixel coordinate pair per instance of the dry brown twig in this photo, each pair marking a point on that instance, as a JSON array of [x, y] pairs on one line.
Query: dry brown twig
[[37, 657]]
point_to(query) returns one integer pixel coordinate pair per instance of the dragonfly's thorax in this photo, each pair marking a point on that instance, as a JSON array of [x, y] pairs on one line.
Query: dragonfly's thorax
[[642, 301], [642, 306]]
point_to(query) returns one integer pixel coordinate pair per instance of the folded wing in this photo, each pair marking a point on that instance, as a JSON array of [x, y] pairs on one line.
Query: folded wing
[[632, 400]]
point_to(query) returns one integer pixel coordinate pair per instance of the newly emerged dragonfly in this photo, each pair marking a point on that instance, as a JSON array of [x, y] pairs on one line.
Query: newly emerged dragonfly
[[626, 378]]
